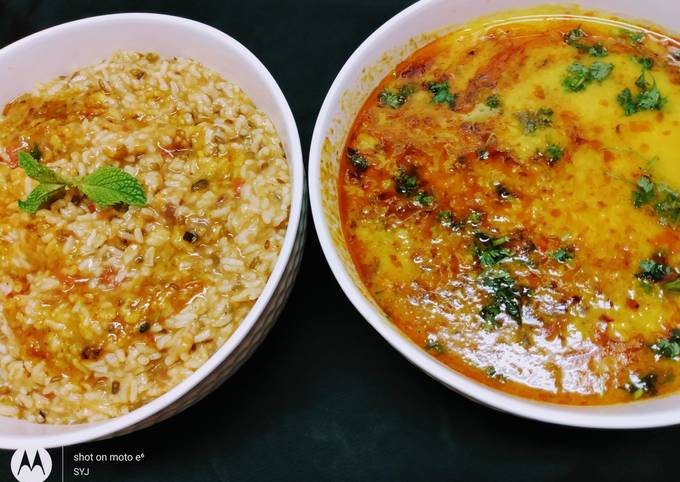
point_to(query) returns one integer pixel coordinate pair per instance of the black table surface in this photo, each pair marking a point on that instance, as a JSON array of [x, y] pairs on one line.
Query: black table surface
[[325, 397]]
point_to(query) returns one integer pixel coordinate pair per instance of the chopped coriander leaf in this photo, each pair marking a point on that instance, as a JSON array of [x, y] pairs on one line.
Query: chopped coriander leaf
[[505, 298], [641, 82], [491, 255], [639, 386], [627, 101], [668, 206], [424, 199], [636, 36], [493, 101], [388, 98], [483, 154], [441, 94], [576, 78], [665, 201], [573, 36], [644, 192], [489, 312], [531, 121], [600, 70], [406, 184], [657, 271], [446, 219], [491, 372], [433, 345], [564, 255], [668, 347], [489, 250], [650, 99], [647, 99], [653, 271], [579, 76], [553, 153], [645, 62], [598, 50], [498, 280], [357, 160], [475, 217]]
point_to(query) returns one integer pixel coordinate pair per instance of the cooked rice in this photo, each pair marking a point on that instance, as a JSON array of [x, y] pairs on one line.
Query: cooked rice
[[106, 309]]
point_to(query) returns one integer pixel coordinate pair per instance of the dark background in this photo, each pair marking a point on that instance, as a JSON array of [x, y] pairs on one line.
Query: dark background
[[325, 398]]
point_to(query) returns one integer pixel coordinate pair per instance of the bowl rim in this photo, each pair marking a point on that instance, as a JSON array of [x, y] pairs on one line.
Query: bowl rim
[[79, 433], [569, 415]]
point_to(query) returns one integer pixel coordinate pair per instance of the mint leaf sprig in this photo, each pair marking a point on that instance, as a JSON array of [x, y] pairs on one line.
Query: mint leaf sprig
[[105, 186]]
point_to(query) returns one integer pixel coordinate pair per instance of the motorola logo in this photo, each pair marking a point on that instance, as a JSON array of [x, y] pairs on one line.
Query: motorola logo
[[31, 465]]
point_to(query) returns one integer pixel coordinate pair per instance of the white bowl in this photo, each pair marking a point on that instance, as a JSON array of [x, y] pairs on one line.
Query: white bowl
[[375, 58], [59, 50]]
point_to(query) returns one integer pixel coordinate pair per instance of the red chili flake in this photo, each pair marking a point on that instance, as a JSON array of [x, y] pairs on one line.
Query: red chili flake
[[70, 282], [23, 290], [413, 70], [165, 153], [108, 277], [169, 213], [171, 151], [13, 158]]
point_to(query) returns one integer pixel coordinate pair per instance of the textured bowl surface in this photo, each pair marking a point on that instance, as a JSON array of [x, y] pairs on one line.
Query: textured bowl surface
[[372, 61], [59, 50]]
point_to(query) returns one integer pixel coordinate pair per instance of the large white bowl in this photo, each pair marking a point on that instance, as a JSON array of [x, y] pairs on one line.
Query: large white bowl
[[375, 58], [59, 50]]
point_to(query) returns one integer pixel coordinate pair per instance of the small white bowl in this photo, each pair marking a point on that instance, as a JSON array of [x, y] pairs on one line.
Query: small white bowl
[[372, 61], [61, 49]]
